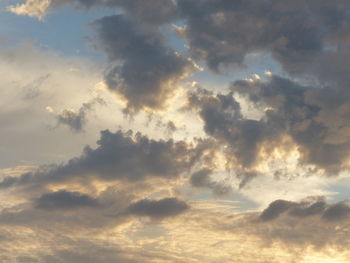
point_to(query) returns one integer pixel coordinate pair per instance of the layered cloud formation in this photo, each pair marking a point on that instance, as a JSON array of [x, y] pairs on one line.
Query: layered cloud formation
[[257, 183]]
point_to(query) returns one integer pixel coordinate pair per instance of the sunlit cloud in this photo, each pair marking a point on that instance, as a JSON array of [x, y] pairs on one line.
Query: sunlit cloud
[[189, 131]]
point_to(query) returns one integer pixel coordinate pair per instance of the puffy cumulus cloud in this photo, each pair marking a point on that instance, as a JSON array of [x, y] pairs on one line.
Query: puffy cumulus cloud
[[223, 120], [158, 209], [107, 204], [303, 37], [296, 119], [36, 107], [147, 71], [118, 156], [300, 112], [294, 32]]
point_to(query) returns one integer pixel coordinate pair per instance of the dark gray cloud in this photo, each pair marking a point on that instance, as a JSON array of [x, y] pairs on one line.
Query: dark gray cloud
[[275, 209], [146, 69], [302, 36], [305, 209], [300, 112], [167, 207], [118, 156], [315, 118], [312, 207], [223, 120], [65, 200], [308, 38], [294, 32], [202, 179], [337, 212]]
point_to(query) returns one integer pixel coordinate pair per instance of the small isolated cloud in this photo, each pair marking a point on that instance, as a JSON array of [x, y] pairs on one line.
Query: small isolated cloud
[[34, 8], [76, 120], [167, 207]]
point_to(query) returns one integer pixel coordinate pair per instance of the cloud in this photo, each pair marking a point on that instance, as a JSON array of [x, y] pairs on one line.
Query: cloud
[[299, 35], [275, 209], [295, 33], [65, 200], [295, 115], [202, 179], [167, 207], [118, 156], [72, 119], [147, 71], [223, 121], [337, 212], [292, 112], [300, 134], [312, 207], [35, 8], [103, 234], [76, 120]]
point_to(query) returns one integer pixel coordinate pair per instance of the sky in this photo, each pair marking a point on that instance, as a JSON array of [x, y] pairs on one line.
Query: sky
[[173, 131]]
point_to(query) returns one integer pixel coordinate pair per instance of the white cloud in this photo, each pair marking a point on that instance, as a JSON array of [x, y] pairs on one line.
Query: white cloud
[[34, 8]]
